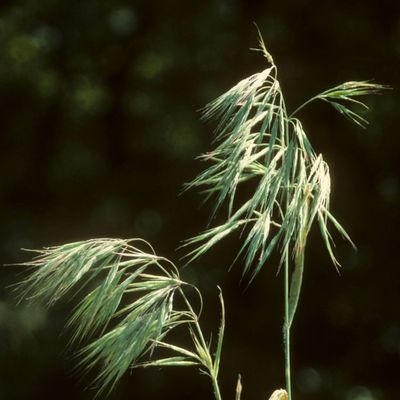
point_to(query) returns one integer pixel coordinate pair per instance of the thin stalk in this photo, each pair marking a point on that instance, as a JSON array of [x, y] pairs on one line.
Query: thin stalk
[[208, 363], [302, 106], [286, 328], [217, 393], [287, 323]]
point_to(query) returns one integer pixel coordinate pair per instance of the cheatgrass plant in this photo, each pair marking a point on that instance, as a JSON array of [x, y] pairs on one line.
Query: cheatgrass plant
[[258, 139], [130, 310], [134, 300]]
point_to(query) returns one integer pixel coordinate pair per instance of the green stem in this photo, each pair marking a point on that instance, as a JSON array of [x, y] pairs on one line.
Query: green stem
[[217, 393], [286, 329], [302, 106], [286, 323], [208, 363]]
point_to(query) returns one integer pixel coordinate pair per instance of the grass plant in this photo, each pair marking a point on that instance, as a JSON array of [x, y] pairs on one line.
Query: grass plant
[[127, 333], [130, 308]]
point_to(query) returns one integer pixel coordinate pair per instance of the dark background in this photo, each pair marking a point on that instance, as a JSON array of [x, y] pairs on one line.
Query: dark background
[[99, 130]]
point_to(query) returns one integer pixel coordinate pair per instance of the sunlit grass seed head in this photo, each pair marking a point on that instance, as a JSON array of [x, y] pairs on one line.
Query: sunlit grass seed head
[[127, 270], [257, 139], [129, 309]]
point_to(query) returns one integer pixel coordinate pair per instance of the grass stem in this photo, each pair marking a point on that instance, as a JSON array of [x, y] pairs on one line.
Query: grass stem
[[204, 357], [286, 329], [302, 106], [217, 392]]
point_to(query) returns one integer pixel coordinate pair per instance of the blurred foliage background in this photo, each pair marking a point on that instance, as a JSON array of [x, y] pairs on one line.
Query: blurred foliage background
[[99, 130]]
